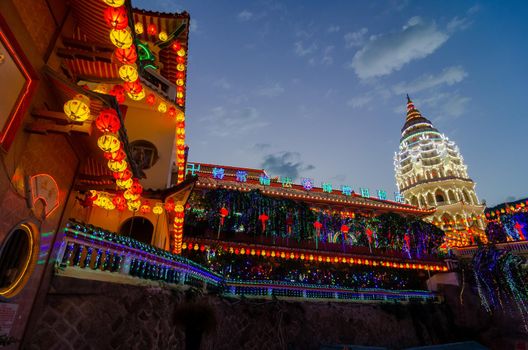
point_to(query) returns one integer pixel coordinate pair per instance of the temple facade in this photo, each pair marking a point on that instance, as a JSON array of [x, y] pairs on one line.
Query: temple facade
[[430, 172]]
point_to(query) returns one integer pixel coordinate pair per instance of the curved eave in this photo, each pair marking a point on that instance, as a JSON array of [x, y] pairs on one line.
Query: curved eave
[[439, 180]]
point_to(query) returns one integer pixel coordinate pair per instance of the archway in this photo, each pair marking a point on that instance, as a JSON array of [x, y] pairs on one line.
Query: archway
[[440, 196], [138, 228]]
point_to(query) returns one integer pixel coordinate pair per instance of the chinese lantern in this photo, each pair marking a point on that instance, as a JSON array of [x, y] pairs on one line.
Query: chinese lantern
[[119, 201], [223, 213], [180, 82], [369, 235], [172, 112], [407, 239], [134, 205], [119, 93], [263, 219], [116, 17], [114, 3], [131, 196], [318, 226], [151, 99], [137, 97], [169, 205], [117, 166], [78, 108], [108, 121], [124, 184], [121, 38], [176, 46], [123, 176], [136, 187], [89, 199], [133, 87], [116, 156], [138, 27], [151, 29], [108, 143], [179, 101], [163, 36], [157, 209], [162, 107], [145, 208], [128, 73], [180, 67], [181, 52]]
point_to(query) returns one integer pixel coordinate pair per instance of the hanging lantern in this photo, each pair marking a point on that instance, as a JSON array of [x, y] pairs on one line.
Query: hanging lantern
[[169, 205], [128, 73], [263, 219], [163, 36], [180, 82], [180, 67], [123, 176], [116, 156], [121, 38], [172, 111], [136, 187], [179, 101], [137, 97], [151, 99], [130, 195], [117, 166], [223, 213], [116, 17], [138, 27], [119, 201], [119, 93], [145, 208], [180, 117], [108, 143], [114, 3], [108, 121], [181, 52], [162, 107], [134, 205], [133, 87], [176, 46], [78, 108], [124, 184], [151, 29], [126, 56], [157, 209]]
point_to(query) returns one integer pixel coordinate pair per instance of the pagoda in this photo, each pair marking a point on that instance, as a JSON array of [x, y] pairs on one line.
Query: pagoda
[[430, 172]]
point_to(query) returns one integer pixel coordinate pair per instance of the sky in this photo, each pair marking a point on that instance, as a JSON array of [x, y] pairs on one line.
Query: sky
[[317, 88]]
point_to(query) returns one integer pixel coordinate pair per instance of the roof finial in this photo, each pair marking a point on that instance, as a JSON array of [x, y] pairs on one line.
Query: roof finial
[[408, 98]]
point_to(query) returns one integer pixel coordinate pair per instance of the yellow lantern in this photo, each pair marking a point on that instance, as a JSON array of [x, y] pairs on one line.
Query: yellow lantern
[[101, 88], [163, 36], [124, 184], [178, 208], [117, 167], [109, 205], [179, 82], [108, 143], [114, 3], [138, 27], [78, 108], [134, 205], [128, 72], [121, 38], [180, 117], [180, 67], [179, 95], [137, 97], [130, 196], [180, 132], [162, 107], [181, 52], [158, 209]]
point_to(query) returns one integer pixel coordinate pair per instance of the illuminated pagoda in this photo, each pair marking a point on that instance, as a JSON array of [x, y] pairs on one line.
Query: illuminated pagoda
[[430, 173]]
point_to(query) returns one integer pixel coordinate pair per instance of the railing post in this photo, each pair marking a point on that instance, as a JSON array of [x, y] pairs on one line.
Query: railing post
[[125, 265], [183, 276]]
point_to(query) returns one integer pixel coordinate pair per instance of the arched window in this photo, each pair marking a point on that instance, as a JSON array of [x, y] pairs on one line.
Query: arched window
[[414, 201], [440, 196], [16, 256], [466, 196], [138, 228], [451, 196], [422, 201]]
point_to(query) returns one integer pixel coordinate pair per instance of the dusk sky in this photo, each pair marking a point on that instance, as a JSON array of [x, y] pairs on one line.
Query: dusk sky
[[317, 88]]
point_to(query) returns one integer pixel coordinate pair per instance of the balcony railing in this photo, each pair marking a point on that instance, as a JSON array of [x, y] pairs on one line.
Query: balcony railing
[[516, 246], [92, 253]]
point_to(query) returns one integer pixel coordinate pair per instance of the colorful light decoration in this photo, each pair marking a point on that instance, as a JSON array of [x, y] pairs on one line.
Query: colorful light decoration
[[136, 187], [157, 209], [151, 99], [117, 166], [162, 107], [163, 36], [116, 17], [145, 208], [116, 156], [133, 87], [121, 38], [124, 184], [108, 143], [114, 3], [137, 97], [134, 205], [108, 121], [119, 201], [138, 27], [152, 29], [130, 196], [77, 109], [119, 93], [123, 176], [128, 73]]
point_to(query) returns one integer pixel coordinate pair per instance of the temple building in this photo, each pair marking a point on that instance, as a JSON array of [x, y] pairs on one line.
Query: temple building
[[430, 172]]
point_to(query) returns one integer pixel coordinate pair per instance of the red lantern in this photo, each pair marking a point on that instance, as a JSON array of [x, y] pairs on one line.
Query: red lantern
[[126, 56], [123, 176], [179, 101], [116, 156], [263, 219], [118, 92], [133, 87], [169, 205], [369, 235], [344, 229], [180, 75], [176, 46], [136, 187], [108, 121], [318, 226], [119, 201], [116, 17], [151, 99], [172, 112], [223, 213], [180, 60], [151, 29]]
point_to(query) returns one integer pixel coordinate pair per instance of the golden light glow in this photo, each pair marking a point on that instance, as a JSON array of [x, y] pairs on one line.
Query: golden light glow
[[117, 167], [158, 209], [108, 143], [128, 72], [134, 205], [114, 3], [124, 184], [121, 38], [181, 52], [163, 36], [138, 27], [137, 97], [78, 108], [162, 107]]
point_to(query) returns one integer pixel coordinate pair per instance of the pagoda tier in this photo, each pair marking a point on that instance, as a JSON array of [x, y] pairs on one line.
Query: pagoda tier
[[430, 173]]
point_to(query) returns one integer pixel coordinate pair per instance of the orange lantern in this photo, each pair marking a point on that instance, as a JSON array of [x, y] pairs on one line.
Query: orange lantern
[[151, 29], [136, 187], [124, 184], [108, 121], [116, 17], [123, 176], [116, 156], [118, 92], [151, 99], [114, 3], [119, 201], [133, 87]]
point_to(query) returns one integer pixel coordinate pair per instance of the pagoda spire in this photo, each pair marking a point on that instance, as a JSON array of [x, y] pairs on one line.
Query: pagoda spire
[[412, 112]]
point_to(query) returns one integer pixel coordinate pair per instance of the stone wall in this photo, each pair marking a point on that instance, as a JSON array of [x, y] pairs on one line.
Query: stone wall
[[81, 314]]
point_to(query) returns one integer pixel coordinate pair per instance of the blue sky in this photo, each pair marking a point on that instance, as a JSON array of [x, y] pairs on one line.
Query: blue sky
[[317, 89]]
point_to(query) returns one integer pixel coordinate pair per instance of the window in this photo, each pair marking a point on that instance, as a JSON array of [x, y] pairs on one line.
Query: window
[[138, 228], [16, 255], [144, 153]]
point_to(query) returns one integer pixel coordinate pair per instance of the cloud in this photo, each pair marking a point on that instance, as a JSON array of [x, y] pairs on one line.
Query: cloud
[[386, 53], [260, 147], [271, 91], [222, 83], [445, 105], [287, 164], [225, 122], [449, 76], [302, 50], [359, 101], [194, 26], [333, 29], [354, 39], [245, 16], [458, 24], [327, 55]]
